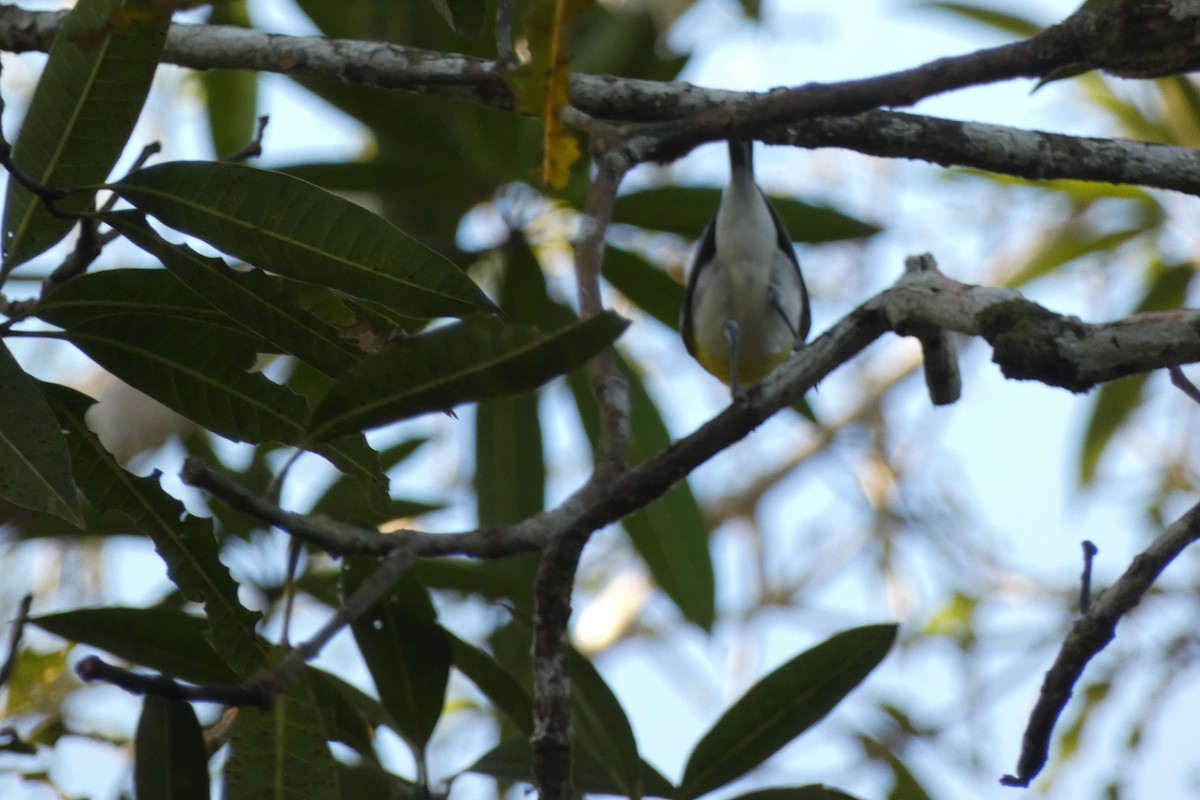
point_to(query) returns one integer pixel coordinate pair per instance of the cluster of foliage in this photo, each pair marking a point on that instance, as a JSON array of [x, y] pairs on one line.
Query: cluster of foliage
[[345, 299], [373, 318]]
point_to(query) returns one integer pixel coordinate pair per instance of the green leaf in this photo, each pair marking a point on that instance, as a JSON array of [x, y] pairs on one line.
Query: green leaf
[[279, 311], [465, 17], [510, 474], [84, 108], [1116, 401], [360, 781], [670, 534], [510, 761], [783, 705], [813, 791], [231, 95], [685, 210], [281, 754], [652, 289], [510, 468], [196, 369], [288, 226], [602, 725], [170, 760], [407, 652], [1068, 244], [991, 17], [164, 640], [496, 683], [184, 542], [35, 466], [342, 499], [477, 359], [351, 716], [113, 291]]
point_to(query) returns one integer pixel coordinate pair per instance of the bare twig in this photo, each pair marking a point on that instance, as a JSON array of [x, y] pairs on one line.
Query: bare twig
[[14, 638], [253, 148], [1181, 381], [1090, 634], [1085, 580], [94, 668]]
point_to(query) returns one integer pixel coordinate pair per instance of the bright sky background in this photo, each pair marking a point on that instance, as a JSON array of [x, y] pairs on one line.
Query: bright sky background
[[1014, 444]]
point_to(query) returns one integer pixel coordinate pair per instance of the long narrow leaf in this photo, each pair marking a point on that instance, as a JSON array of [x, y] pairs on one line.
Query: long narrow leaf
[[670, 534], [84, 108], [472, 360], [407, 652], [113, 291], [783, 705], [288, 226], [281, 753], [199, 370], [164, 640], [185, 543], [35, 466], [266, 306], [170, 760]]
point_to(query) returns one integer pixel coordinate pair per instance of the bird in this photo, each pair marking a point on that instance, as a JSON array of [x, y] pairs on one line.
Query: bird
[[745, 308]]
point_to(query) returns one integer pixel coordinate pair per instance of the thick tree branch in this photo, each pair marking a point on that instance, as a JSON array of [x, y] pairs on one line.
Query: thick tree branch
[[1001, 149], [714, 114], [1090, 634], [1029, 343]]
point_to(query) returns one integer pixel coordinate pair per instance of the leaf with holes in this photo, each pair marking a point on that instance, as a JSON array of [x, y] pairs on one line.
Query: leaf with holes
[[35, 465]]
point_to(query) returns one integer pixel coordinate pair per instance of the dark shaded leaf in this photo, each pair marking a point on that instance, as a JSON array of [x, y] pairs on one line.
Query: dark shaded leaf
[[164, 640], [510, 761], [351, 716], [654, 291], [1117, 400], [196, 369], [407, 652], [184, 542], [35, 465], [84, 108], [294, 317], [603, 727], [465, 17], [117, 291], [685, 210], [361, 781], [281, 753], [510, 468], [170, 760], [477, 359], [293, 228], [813, 791], [783, 705], [231, 96], [670, 534], [496, 683]]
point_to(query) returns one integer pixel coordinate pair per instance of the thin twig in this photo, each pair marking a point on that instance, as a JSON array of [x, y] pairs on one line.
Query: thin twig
[[1089, 635], [1085, 580], [14, 638], [93, 668], [253, 148]]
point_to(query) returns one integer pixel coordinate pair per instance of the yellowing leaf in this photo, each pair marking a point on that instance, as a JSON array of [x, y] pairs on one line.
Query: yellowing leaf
[[543, 85]]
